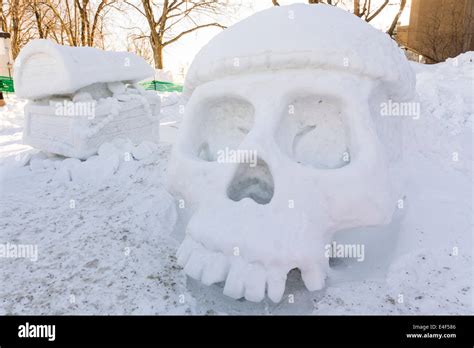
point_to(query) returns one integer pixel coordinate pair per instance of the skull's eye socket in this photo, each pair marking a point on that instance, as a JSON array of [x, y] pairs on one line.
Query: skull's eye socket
[[313, 132], [221, 124]]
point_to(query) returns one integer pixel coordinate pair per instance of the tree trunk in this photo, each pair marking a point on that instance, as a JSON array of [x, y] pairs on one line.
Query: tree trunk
[[158, 55], [357, 8], [397, 17], [95, 22], [177, 10], [82, 13], [15, 29], [39, 20], [3, 24]]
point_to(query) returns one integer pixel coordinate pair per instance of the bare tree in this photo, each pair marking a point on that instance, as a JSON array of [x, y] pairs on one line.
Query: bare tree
[[445, 33], [391, 29], [170, 20], [73, 22], [138, 43], [3, 18], [78, 22], [364, 9], [45, 20], [16, 20]]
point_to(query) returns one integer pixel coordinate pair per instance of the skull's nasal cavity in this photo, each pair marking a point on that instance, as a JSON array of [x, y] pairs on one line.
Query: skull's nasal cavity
[[253, 181]]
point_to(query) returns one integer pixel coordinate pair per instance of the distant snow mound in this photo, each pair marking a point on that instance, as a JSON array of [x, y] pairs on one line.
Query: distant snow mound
[[463, 64], [325, 37], [445, 91], [163, 75]]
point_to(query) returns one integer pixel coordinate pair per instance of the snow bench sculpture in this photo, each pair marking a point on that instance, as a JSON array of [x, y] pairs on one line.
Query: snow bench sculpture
[[297, 91], [81, 97]]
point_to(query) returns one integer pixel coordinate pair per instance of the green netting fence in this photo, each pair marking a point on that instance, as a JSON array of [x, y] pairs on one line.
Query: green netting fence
[[162, 86], [6, 85]]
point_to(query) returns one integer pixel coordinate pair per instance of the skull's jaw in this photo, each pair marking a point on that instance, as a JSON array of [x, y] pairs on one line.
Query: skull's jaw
[[214, 254], [242, 279]]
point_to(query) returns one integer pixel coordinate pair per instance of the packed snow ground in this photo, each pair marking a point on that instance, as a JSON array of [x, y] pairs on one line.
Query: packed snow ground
[[107, 230]]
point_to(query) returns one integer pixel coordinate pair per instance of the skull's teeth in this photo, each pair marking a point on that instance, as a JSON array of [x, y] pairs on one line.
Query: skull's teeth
[[234, 284], [250, 280], [201, 264], [195, 264], [276, 286], [313, 278], [216, 269], [184, 251], [241, 278], [255, 283]]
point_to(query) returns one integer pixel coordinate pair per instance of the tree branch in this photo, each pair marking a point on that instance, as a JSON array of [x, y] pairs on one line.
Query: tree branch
[[369, 18], [176, 38]]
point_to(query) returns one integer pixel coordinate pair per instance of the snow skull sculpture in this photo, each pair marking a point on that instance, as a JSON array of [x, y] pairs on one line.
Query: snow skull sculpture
[[282, 145]]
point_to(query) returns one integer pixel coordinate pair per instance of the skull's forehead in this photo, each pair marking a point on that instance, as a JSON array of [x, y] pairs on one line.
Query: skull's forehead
[[283, 86], [299, 37]]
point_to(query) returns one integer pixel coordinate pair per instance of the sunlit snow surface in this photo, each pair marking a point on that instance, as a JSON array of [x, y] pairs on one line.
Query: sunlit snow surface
[[107, 230]]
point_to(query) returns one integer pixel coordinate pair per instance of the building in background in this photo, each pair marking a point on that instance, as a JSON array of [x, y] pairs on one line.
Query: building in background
[[6, 59], [438, 29]]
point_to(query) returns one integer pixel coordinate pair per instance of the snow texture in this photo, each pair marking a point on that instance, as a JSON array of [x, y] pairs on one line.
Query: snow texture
[[75, 126], [44, 68], [289, 37]]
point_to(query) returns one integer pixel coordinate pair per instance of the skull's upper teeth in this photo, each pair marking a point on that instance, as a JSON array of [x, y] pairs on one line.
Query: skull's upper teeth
[[242, 279]]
